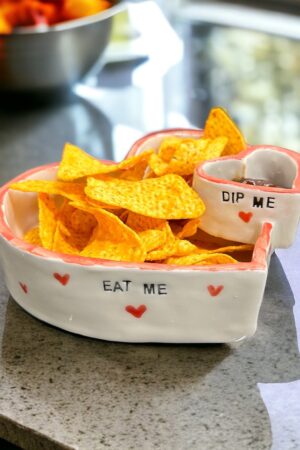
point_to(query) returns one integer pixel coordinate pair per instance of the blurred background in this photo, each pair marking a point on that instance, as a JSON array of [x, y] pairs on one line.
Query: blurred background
[[167, 62]]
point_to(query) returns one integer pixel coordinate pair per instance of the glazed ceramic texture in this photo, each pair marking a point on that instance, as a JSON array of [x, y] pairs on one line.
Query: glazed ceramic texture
[[237, 211], [130, 302]]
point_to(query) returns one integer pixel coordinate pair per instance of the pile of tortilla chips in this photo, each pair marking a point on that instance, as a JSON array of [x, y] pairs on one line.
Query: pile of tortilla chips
[[141, 209], [20, 13]]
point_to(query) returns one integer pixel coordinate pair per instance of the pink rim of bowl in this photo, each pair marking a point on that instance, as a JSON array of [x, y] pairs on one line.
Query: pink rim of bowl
[[200, 170]]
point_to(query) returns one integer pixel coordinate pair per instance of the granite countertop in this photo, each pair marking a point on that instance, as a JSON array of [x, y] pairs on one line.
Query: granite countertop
[[62, 391]]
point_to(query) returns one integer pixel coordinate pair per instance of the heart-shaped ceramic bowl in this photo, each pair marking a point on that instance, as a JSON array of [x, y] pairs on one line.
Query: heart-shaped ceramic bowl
[[237, 211], [129, 302]]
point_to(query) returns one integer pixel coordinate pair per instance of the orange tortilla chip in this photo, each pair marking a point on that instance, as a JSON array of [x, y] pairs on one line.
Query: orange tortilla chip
[[135, 173], [190, 148], [110, 226], [100, 205], [149, 173], [63, 243], [168, 147], [228, 249], [33, 236], [112, 250], [74, 229], [64, 217], [219, 123], [178, 155], [76, 164], [152, 239], [167, 197], [189, 229], [112, 239], [201, 259], [47, 220], [184, 247], [216, 147], [167, 249], [178, 247], [212, 244], [139, 223], [188, 154], [83, 222], [171, 247], [72, 191], [159, 166]]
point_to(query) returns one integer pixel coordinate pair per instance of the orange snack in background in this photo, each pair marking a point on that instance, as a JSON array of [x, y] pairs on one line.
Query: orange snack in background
[[22, 13], [30, 12], [73, 9], [5, 26]]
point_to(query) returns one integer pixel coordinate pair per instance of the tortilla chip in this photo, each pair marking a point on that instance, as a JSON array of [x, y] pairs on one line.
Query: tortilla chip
[[167, 197], [76, 164], [168, 147], [188, 154], [139, 222], [228, 249], [165, 250], [72, 191], [82, 222], [219, 123], [33, 236], [152, 239], [135, 173], [47, 220], [74, 229], [201, 259], [112, 250], [189, 229], [63, 243]]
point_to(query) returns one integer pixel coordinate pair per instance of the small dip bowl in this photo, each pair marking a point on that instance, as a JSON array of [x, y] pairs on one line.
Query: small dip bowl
[[237, 211]]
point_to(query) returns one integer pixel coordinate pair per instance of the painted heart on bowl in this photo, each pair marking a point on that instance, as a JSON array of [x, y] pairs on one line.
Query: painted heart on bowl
[[261, 184]]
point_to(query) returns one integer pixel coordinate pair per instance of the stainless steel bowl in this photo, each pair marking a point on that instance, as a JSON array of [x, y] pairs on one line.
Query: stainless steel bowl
[[36, 61]]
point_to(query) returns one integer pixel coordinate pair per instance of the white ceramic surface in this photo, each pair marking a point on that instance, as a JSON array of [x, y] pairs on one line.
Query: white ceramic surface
[[135, 303], [126, 301], [237, 211]]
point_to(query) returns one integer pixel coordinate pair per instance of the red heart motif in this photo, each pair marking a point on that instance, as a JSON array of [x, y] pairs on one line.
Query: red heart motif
[[63, 279], [136, 312], [215, 290], [246, 217], [24, 287]]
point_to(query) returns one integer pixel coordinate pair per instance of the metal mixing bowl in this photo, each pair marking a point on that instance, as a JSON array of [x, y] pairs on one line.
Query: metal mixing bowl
[[37, 61]]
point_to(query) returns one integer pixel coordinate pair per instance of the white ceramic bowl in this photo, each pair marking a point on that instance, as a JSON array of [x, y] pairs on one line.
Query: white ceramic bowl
[[129, 302], [237, 211]]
